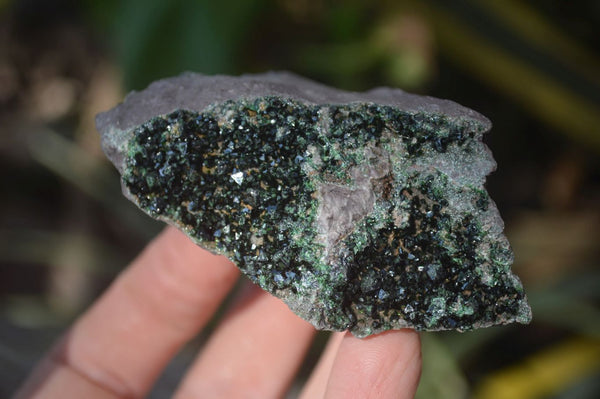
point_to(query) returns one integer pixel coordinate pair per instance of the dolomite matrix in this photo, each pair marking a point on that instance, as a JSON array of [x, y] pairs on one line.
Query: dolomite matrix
[[362, 211]]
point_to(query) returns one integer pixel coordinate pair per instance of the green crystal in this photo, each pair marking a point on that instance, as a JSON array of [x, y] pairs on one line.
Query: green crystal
[[359, 215]]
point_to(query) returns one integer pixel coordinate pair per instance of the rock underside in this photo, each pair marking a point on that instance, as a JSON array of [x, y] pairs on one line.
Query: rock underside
[[362, 211]]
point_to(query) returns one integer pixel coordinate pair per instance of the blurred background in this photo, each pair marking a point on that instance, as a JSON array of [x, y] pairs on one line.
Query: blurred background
[[532, 67]]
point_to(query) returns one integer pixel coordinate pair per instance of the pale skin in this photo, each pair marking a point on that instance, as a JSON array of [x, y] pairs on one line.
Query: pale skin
[[118, 348]]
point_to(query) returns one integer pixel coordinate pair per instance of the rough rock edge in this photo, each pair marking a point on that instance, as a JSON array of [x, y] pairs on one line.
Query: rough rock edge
[[195, 92]]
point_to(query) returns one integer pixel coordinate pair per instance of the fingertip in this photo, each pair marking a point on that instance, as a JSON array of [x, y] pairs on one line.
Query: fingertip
[[385, 365]]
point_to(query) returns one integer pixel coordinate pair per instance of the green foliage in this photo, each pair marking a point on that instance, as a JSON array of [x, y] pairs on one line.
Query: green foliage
[[157, 38]]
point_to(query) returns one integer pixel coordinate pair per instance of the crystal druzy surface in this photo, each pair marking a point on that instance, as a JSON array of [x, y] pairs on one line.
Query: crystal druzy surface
[[360, 214]]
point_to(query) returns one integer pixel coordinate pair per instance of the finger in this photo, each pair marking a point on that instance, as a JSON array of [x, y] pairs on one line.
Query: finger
[[62, 382], [254, 353], [162, 300], [317, 382], [387, 365]]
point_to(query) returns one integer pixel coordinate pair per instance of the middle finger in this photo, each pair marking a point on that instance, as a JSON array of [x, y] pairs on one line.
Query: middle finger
[[254, 353]]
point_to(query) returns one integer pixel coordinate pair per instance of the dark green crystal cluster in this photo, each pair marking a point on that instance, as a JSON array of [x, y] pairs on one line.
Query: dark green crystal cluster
[[359, 216]]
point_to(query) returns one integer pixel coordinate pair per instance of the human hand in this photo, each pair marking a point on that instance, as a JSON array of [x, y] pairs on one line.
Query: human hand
[[119, 347]]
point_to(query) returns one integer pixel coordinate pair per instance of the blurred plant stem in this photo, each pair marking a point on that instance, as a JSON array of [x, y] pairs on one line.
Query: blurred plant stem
[[93, 177], [75, 262], [537, 92], [42, 247], [535, 28]]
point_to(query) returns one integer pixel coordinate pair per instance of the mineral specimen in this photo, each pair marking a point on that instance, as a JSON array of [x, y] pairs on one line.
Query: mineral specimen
[[362, 211]]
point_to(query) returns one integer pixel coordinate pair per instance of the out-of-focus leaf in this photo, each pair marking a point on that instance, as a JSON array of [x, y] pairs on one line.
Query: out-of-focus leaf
[[341, 62], [100, 13], [346, 20], [399, 47], [157, 38], [408, 70], [441, 377], [406, 44], [544, 373]]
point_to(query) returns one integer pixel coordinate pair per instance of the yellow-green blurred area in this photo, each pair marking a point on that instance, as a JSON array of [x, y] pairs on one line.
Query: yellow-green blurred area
[[532, 67]]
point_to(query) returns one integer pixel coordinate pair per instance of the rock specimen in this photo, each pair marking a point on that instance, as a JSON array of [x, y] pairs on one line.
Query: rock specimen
[[362, 211]]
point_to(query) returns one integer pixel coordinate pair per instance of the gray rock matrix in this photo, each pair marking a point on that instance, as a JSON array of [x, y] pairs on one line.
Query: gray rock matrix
[[362, 211]]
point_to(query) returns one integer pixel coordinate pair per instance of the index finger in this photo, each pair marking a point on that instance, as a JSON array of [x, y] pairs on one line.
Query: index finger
[[129, 335]]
